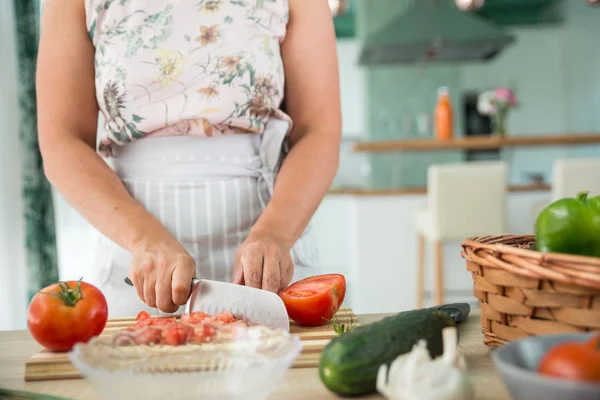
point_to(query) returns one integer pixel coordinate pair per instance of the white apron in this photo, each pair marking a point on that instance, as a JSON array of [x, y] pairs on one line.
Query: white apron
[[208, 192]]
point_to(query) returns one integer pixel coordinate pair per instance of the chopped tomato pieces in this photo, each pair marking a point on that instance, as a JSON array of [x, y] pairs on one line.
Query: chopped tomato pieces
[[205, 332], [195, 318], [142, 316], [197, 327], [148, 337], [225, 317], [176, 334]]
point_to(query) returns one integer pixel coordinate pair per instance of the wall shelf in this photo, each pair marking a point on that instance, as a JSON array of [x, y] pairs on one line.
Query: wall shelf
[[477, 143]]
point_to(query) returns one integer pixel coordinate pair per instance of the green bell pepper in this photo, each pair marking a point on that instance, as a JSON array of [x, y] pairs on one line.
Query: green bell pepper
[[570, 226]]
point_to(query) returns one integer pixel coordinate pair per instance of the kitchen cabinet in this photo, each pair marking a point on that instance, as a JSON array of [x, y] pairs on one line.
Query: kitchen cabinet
[[334, 229], [500, 12], [521, 12], [372, 240], [345, 26]]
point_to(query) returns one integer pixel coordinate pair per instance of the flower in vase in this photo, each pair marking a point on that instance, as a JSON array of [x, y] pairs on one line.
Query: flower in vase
[[506, 96], [496, 104], [486, 103]]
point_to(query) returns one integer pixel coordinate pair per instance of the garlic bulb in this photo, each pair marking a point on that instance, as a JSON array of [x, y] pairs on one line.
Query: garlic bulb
[[415, 376]]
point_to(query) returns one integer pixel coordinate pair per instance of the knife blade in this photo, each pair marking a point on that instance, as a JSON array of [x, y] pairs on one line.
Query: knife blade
[[253, 305]]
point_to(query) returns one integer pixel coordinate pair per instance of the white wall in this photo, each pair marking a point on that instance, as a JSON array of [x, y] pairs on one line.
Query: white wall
[[537, 78], [74, 241], [539, 83], [335, 231], [353, 170], [352, 81], [13, 271], [555, 73]]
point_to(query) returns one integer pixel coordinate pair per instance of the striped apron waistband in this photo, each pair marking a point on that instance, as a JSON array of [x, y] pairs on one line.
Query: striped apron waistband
[[205, 158]]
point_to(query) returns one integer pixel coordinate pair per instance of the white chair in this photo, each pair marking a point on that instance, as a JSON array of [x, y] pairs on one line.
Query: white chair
[[464, 200], [570, 176]]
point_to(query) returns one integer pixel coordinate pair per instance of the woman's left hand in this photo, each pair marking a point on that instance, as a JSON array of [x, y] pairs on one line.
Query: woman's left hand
[[263, 261]]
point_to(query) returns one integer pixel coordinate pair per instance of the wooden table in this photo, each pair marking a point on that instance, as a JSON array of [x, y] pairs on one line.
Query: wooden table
[[300, 384]]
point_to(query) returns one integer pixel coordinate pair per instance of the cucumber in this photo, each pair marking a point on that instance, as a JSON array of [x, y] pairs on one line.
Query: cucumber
[[21, 395], [349, 363]]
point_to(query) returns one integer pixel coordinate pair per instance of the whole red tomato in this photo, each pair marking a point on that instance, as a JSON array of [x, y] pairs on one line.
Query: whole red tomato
[[315, 300], [66, 313], [573, 361]]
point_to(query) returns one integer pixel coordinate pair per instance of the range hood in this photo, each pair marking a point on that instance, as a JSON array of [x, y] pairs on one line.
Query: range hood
[[434, 30]]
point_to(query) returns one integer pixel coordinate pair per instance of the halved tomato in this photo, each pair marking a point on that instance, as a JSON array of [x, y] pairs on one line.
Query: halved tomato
[[315, 300]]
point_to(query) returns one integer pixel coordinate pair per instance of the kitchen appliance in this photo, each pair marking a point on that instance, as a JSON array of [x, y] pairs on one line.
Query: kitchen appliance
[[477, 124], [434, 30]]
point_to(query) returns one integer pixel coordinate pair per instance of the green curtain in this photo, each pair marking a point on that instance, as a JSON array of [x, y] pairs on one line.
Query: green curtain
[[40, 231]]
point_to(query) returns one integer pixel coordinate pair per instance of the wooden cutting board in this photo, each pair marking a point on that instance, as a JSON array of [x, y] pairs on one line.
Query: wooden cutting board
[[47, 365]]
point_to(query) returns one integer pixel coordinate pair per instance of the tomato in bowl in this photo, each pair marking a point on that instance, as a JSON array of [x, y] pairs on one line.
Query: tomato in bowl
[[575, 361], [519, 363]]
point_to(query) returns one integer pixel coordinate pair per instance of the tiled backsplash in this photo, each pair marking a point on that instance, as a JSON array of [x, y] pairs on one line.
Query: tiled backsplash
[[554, 70]]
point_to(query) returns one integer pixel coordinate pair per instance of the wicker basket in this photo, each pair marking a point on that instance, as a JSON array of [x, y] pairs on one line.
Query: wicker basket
[[523, 292]]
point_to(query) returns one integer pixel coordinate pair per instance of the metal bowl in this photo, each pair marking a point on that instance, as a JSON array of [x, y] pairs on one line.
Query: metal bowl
[[517, 364]]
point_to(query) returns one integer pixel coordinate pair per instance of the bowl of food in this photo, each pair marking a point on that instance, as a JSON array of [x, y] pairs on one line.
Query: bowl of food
[[177, 360], [551, 367]]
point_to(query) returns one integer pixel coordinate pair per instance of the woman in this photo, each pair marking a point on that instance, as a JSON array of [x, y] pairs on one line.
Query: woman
[[190, 93]]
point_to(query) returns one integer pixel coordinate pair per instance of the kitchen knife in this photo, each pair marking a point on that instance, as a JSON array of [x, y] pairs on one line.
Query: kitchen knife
[[253, 305], [457, 311]]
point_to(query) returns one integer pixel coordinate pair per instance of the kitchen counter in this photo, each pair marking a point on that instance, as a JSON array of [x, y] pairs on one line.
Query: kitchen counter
[[423, 190], [17, 346]]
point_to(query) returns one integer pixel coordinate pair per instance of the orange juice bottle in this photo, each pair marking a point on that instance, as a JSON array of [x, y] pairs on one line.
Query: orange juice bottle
[[444, 124]]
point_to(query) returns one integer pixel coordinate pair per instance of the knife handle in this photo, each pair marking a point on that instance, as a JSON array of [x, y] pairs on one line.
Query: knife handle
[[457, 311]]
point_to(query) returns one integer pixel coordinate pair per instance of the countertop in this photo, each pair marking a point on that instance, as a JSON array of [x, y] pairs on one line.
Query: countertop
[[17, 346], [423, 190]]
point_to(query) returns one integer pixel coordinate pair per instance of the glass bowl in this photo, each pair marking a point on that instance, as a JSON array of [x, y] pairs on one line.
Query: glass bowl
[[247, 366]]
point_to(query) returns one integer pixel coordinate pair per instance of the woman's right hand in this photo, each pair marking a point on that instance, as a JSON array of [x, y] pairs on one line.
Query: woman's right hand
[[162, 272], [162, 269]]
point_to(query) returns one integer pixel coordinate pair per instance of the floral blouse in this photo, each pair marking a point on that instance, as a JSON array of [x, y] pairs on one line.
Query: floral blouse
[[186, 67]]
